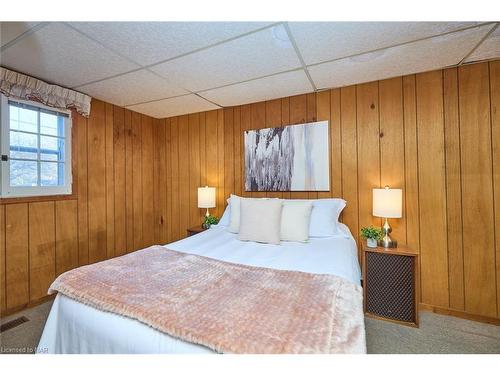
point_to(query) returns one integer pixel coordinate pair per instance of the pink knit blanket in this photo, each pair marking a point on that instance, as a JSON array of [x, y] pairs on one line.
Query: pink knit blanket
[[230, 308]]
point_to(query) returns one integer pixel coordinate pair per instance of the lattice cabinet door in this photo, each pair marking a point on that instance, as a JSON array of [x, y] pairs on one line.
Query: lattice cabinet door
[[390, 284]]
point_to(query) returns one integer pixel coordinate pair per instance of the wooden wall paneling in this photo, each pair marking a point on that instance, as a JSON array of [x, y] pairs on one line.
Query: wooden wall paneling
[[311, 110], [245, 124], [81, 124], [137, 197], [119, 171], [298, 109], [349, 160], [238, 152], [477, 190], [203, 155], [411, 163], [367, 107], [211, 150], [392, 152], [495, 132], [175, 195], [203, 158], [411, 166], [66, 235], [228, 156], [3, 300], [184, 188], [311, 115], [298, 114], [74, 156], [156, 181], [432, 189], [323, 108], [16, 255], [273, 120], [220, 200], [42, 251], [453, 189], [110, 182], [129, 180], [168, 192], [285, 120], [161, 177], [96, 135], [148, 219], [336, 143], [194, 168]]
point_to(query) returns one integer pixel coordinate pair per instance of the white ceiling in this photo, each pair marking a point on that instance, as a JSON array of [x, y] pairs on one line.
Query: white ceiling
[[165, 69]]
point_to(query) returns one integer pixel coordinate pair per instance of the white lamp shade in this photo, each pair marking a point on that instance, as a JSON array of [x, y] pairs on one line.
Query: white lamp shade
[[387, 202], [206, 197]]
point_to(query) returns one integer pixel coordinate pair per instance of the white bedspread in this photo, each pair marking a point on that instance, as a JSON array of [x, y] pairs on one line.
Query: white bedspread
[[73, 327]]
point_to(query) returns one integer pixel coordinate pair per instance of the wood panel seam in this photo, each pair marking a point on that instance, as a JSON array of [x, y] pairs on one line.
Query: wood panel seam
[[493, 181]]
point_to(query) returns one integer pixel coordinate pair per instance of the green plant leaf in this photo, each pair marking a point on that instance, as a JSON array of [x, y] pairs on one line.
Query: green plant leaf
[[372, 232]]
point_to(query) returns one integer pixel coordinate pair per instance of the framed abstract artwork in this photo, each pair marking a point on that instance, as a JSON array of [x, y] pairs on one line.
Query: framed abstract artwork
[[289, 158]]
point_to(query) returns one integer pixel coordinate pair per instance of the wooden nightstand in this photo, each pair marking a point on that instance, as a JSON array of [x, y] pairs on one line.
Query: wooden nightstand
[[195, 230], [390, 284]]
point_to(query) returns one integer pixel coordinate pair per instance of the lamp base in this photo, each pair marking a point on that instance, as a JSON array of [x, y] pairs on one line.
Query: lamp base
[[387, 241], [205, 225]]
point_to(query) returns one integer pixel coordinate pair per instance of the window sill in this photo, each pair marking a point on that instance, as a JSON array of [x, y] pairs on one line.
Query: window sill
[[40, 198]]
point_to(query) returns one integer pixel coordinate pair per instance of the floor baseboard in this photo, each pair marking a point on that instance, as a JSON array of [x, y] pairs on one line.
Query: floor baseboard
[[459, 314]]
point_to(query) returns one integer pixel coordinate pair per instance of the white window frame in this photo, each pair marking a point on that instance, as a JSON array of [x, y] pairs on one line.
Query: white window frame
[[7, 191]]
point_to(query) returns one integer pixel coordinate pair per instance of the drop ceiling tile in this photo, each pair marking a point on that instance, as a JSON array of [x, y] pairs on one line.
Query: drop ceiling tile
[[150, 42], [11, 30], [174, 106], [266, 52], [61, 55], [489, 49], [322, 41], [131, 88], [277, 86], [425, 55]]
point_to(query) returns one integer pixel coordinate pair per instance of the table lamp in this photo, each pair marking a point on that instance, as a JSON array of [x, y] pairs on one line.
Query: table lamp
[[387, 203], [206, 198]]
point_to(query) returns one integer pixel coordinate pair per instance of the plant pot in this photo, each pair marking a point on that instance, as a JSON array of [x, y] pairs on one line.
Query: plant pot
[[371, 242]]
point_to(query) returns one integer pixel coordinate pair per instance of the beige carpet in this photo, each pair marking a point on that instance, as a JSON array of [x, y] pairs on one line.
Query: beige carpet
[[437, 334]]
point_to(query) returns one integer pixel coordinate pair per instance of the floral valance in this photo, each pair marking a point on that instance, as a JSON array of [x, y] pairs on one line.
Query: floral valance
[[21, 86]]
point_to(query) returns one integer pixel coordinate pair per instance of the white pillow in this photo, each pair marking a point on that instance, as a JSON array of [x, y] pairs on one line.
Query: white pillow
[[224, 220], [325, 217], [260, 220], [234, 219], [295, 220]]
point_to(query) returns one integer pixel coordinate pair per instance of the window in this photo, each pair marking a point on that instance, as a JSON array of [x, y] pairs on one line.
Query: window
[[36, 149]]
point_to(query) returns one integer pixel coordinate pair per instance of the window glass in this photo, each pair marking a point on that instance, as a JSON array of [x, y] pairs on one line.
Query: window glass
[[52, 173], [36, 148], [51, 124], [23, 173]]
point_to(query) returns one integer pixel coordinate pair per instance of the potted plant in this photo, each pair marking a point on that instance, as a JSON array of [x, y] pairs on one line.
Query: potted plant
[[372, 235], [209, 220]]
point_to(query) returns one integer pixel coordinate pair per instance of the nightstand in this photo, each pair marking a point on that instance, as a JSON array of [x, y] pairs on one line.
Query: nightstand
[[195, 230], [390, 284]]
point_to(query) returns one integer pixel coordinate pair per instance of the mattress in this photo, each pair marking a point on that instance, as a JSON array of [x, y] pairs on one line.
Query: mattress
[[73, 327]]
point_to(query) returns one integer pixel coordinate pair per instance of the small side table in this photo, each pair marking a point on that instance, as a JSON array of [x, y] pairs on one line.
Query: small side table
[[390, 284], [195, 230]]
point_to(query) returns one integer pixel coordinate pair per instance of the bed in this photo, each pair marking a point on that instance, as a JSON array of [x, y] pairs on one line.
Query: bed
[[73, 327]]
